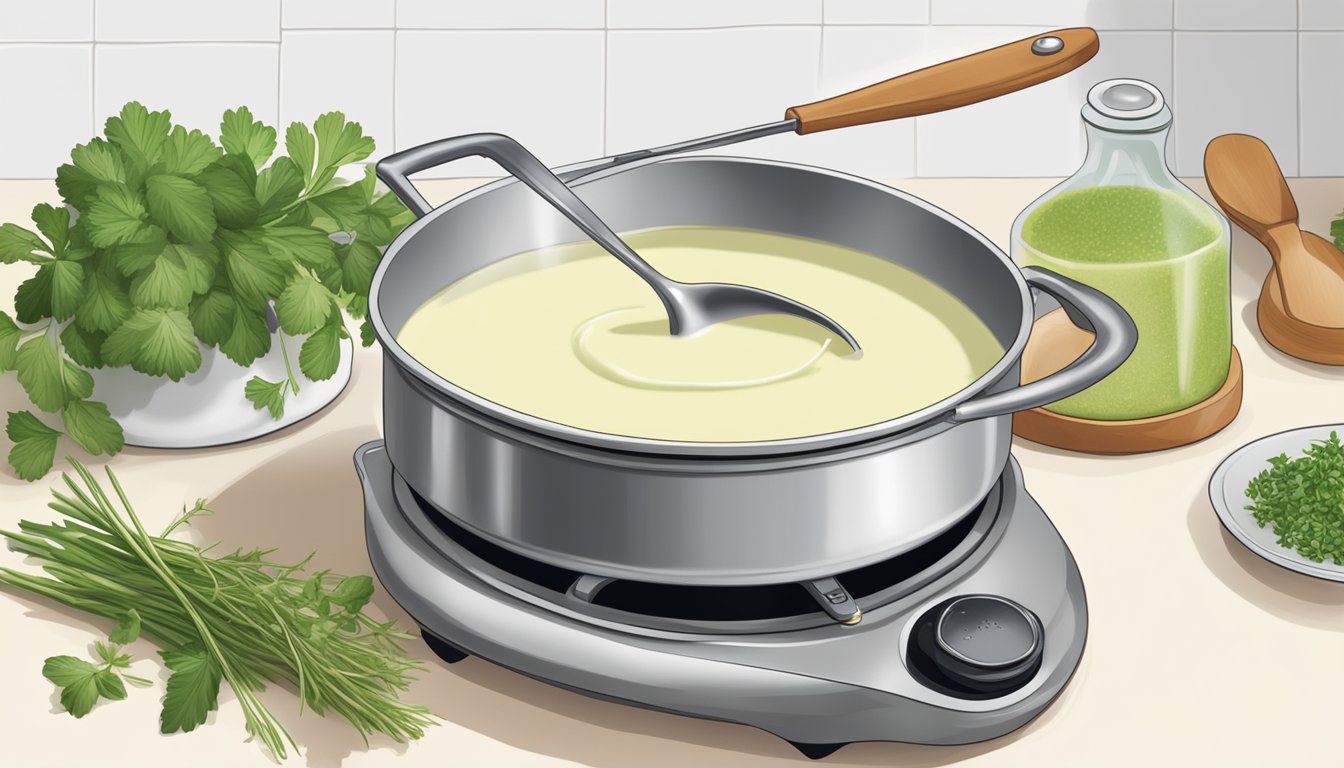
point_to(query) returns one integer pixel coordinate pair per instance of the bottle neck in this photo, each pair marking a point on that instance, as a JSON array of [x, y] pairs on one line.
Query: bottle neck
[[1115, 158]]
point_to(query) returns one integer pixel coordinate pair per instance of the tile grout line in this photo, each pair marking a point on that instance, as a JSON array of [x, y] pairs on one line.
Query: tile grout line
[[606, 72], [93, 67], [1298, 117], [396, 54], [1175, 142]]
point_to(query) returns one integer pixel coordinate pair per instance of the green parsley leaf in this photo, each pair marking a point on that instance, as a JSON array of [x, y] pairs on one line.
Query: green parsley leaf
[[9, 342], [230, 182], [304, 305], [139, 133], [156, 342], [358, 305], [338, 143], [83, 346], [353, 592], [266, 394], [54, 223], [165, 284], [76, 185], [202, 262], [117, 216], [212, 316], [188, 152], [248, 338], [183, 207], [77, 680], [192, 690], [366, 334], [241, 135], [342, 205], [109, 685], [127, 629], [67, 287], [100, 160], [106, 304], [18, 244], [302, 149], [320, 354], [253, 270], [32, 301], [133, 257], [306, 245], [50, 380], [91, 425], [358, 260], [278, 187], [34, 448]]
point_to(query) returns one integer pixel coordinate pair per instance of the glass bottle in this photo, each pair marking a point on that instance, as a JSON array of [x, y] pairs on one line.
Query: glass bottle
[[1126, 226]]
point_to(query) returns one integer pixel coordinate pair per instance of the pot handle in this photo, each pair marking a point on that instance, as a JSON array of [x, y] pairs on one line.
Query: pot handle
[[1090, 310], [395, 170]]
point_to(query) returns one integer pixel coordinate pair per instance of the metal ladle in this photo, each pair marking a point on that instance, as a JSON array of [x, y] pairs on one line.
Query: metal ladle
[[691, 307], [694, 306]]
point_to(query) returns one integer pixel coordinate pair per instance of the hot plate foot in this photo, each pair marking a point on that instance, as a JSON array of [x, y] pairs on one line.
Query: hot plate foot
[[442, 648], [816, 751]]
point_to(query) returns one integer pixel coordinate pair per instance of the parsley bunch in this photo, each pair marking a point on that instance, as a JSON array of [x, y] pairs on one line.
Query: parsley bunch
[[239, 618], [1303, 498], [170, 243]]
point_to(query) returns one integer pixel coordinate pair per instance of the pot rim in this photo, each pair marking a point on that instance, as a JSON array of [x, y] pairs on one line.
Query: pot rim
[[923, 417]]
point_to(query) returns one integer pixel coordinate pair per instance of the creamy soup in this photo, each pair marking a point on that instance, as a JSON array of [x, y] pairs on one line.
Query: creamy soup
[[570, 335]]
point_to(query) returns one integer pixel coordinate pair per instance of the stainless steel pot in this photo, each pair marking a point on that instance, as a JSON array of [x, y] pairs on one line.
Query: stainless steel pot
[[714, 513]]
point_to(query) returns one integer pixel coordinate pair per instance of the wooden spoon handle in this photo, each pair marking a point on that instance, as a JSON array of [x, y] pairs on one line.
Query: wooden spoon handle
[[955, 83], [1246, 181]]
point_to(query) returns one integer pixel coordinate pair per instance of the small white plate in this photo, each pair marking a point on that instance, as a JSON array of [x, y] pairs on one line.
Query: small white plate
[[1227, 491]]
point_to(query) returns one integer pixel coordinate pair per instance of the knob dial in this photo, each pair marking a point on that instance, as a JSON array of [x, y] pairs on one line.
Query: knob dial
[[987, 643]]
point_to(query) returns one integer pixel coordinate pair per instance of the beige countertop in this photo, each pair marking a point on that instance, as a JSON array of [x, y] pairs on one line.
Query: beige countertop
[[1199, 653]]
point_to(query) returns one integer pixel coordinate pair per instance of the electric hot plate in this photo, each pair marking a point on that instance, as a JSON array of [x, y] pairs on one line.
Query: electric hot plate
[[965, 638]]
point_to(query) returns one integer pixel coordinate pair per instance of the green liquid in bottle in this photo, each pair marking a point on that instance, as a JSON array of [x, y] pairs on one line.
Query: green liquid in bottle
[[1164, 259]]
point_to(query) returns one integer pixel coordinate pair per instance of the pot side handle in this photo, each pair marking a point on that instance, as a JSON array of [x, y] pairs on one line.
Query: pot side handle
[[1089, 309], [395, 170]]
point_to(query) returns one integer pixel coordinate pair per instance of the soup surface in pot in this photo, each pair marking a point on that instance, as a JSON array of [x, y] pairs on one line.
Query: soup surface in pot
[[568, 334]]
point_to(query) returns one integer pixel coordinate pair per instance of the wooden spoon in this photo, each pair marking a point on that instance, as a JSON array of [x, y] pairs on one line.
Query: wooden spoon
[[1308, 270]]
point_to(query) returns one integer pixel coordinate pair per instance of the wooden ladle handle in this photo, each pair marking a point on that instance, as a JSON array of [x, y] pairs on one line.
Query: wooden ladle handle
[[955, 83]]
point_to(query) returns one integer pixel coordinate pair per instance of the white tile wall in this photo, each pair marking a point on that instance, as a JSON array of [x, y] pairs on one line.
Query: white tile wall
[[1322, 100], [576, 78], [450, 83], [503, 14], [876, 11], [852, 57], [642, 14], [46, 21], [39, 137], [197, 83], [350, 71], [1101, 14], [337, 14], [176, 20], [1222, 88], [668, 85], [1236, 14], [1033, 132], [1321, 14]]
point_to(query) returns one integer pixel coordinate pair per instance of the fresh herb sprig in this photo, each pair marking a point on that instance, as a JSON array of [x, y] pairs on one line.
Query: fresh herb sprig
[[82, 683], [177, 243], [240, 618], [1303, 498]]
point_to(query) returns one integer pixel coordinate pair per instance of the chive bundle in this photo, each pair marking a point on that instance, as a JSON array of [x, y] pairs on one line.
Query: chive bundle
[[245, 618]]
